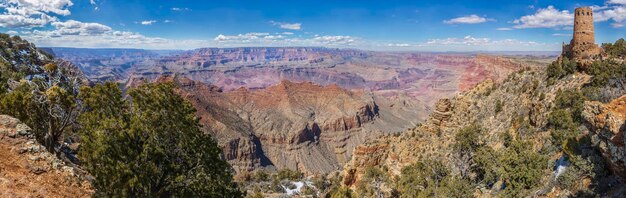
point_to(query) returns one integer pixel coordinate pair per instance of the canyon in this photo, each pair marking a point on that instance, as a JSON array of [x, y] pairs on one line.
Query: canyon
[[300, 108]]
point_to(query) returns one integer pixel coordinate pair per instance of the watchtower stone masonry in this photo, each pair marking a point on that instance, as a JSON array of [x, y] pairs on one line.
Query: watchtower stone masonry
[[583, 45]]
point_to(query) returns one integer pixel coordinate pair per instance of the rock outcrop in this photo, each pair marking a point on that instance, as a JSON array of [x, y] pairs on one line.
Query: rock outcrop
[[442, 112], [433, 139], [608, 123], [28, 170], [300, 126]]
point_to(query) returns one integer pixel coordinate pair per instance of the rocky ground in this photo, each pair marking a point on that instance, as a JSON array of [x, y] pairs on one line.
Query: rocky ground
[[525, 99], [28, 170], [608, 123]]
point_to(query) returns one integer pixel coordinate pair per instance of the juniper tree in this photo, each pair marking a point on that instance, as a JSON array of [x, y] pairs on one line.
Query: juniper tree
[[150, 145]]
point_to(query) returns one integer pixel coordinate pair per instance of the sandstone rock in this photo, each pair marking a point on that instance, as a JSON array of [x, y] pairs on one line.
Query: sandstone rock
[[37, 170], [607, 123], [434, 138], [300, 126], [442, 112]]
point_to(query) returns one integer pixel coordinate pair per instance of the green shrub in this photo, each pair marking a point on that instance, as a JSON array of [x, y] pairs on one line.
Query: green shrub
[[342, 192], [467, 140], [288, 174], [521, 168], [370, 184], [486, 165], [498, 106], [579, 169], [261, 176], [605, 70], [616, 50], [150, 147], [47, 104], [431, 179], [321, 183], [557, 70], [572, 100]]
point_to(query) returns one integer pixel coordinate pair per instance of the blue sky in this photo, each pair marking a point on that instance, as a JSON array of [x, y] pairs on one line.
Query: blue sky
[[470, 25]]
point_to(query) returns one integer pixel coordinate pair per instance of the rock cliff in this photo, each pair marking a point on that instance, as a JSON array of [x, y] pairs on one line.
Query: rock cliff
[[523, 111], [608, 123], [300, 126]]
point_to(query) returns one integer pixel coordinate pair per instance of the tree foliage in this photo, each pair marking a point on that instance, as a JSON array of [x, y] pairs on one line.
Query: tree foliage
[[566, 115], [288, 174], [150, 147], [467, 140], [370, 185], [342, 192], [618, 49], [559, 69], [430, 178], [37, 91], [47, 103], [517, 165], [521, 167]]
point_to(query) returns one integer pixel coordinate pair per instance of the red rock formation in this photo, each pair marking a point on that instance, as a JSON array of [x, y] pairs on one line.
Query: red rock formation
[[289, 125], [608, 123]]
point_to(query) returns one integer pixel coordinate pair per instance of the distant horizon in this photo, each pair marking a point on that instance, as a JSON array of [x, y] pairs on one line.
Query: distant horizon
[[392, 51]]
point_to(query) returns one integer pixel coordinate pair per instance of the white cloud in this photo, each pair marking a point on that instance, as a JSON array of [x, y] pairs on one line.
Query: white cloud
[[561, 34], [32, 7], [472, 41], [280, 39], [287, 33], [72, 27], [551, 17], [247, 37], [398, 45], [617, 25], [622, 2], [167, 21], [20, 21], [504, 29], [288, 26], [470, 19], [32, 13], [149, 22], [12, 32], [615, 13], [545, 18], [274, 37], [334, 40], [94, 4], [180, 9]]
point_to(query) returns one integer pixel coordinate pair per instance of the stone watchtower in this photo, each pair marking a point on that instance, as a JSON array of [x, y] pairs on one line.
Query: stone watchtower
[[583, 45]]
